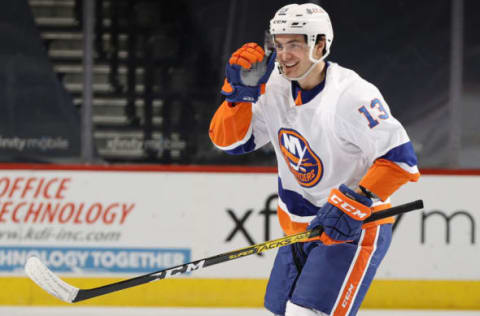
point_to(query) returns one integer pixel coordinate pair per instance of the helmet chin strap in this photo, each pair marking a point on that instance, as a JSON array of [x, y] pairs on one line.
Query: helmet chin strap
[[309, 70]]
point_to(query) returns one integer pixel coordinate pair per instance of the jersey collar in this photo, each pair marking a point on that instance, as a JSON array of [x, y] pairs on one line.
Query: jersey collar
[[301, 96]]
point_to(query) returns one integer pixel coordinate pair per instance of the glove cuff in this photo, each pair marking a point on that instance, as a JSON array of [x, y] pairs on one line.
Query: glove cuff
[[365, 200], [237, 93], [352, 208]]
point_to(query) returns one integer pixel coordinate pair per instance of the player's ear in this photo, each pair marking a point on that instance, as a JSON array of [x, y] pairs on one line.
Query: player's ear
[[320, 48]]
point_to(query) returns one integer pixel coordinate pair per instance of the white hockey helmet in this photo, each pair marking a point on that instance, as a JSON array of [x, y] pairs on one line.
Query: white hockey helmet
[[308, 19]]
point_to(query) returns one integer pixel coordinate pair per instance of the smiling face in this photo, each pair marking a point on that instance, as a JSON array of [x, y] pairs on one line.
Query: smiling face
[[293, 55]]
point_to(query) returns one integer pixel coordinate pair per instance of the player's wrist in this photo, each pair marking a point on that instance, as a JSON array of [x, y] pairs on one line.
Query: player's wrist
[[365, 192]]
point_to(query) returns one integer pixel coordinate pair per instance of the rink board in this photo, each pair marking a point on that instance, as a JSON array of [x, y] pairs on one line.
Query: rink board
[[96, 225], [384, 294]]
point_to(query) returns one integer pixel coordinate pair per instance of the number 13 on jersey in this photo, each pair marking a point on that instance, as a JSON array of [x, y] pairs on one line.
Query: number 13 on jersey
[[377, 111]]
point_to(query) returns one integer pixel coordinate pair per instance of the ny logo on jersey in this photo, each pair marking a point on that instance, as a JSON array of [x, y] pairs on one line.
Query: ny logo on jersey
[[304, 164]]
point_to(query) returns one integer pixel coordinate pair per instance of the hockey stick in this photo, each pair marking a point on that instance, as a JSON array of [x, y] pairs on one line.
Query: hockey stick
[[47, 280]]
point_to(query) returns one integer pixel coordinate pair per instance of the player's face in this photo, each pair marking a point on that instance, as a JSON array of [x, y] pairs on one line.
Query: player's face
[[292, 54]]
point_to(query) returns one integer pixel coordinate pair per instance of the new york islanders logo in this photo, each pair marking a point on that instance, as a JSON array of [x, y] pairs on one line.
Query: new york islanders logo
[[304, 164]]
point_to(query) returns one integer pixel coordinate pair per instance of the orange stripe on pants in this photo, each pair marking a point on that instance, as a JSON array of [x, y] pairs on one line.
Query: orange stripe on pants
[[355, 277]]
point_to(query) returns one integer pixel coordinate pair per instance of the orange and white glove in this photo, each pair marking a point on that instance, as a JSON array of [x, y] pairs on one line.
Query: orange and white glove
[[247, 72]]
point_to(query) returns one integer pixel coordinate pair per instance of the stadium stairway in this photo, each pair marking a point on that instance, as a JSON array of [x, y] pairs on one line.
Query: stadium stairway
[[118, 112]]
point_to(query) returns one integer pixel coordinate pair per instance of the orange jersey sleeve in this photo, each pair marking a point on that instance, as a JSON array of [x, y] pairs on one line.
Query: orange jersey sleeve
[[238, 129], [385, 177]]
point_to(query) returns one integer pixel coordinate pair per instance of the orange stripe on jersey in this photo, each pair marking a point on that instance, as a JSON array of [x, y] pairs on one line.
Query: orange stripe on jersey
[[358, 269], [230, 124], [385, 177], [289, 227], [298, 100], [262, 88]]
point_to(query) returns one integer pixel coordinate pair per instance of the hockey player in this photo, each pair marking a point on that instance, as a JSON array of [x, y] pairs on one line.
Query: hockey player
[[340, 153]]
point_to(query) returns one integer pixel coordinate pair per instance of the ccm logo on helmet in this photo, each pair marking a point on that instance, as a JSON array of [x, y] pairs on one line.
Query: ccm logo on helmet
[[314, 10], [347, 207]]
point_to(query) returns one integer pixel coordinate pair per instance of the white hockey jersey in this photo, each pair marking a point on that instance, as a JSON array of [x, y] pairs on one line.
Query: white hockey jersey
[[344, 134]]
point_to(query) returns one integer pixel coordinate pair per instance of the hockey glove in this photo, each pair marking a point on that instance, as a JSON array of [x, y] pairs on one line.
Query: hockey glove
[[247, 72], [342, 216]]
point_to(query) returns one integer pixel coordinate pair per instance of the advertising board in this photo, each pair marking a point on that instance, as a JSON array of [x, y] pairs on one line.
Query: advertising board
[[117, 223]]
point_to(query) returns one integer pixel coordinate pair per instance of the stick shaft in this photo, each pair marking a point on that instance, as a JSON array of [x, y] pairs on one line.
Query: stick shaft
[[228, 256], [403, 208]]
